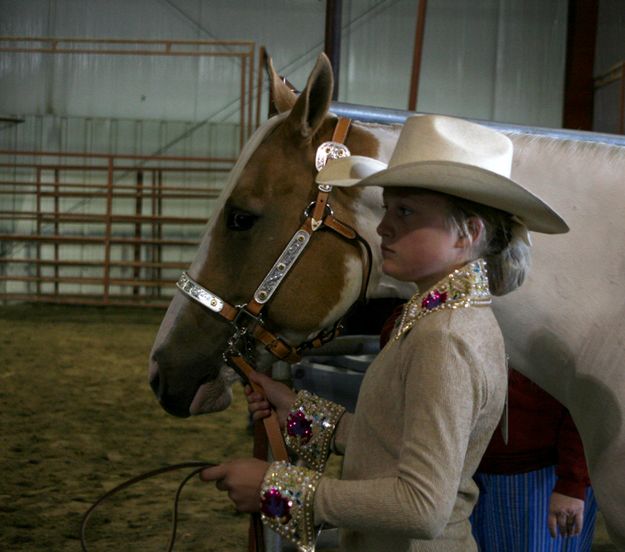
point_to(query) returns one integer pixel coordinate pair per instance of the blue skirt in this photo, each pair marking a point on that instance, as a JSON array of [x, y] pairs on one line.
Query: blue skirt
[[511, 514]]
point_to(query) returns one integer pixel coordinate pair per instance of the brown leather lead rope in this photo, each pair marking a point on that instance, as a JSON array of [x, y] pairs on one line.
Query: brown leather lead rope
[[271, 423]]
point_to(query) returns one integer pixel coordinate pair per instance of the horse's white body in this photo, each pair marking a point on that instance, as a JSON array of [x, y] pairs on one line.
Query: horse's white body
[[565, 327]]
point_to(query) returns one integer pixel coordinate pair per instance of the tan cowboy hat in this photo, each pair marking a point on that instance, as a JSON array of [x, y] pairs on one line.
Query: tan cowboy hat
[[451, 156]]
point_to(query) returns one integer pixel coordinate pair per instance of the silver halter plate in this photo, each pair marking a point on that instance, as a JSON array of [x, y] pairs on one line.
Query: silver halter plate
[[200, 294]]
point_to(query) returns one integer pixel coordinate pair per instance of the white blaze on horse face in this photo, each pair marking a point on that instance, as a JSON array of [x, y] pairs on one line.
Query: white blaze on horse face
[[349, 293], [200, 259]]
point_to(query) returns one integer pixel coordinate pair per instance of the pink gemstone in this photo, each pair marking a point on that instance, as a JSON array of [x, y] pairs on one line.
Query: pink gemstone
[[298, 426], [273, 504], [434, 299]]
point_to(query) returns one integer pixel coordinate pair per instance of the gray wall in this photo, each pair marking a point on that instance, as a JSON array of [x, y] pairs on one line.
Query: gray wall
[[610, 50], [493, 59]]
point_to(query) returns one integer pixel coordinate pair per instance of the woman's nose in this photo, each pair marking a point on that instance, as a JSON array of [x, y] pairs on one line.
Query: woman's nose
[[384, 229]]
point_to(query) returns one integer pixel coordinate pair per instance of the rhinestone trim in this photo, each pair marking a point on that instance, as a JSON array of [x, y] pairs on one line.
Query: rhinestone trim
[[319, 418], [464, 287], [293, 489]]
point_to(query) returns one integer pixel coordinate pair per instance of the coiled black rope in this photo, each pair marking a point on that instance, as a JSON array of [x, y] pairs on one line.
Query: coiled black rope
[[199, 466]]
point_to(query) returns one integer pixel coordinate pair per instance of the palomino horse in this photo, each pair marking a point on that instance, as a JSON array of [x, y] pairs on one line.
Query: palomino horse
[[565, 327]]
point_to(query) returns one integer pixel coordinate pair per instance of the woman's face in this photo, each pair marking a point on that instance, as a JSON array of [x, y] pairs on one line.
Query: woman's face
[[418, 244]]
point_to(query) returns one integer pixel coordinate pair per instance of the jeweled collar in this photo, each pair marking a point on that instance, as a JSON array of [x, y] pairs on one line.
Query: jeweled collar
[[465, 287]]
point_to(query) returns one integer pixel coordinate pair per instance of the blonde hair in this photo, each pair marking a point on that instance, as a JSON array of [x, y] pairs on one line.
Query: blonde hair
[[504, 242]]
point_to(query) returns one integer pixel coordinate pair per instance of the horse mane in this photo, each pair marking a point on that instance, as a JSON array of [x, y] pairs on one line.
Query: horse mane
[[599, 151]]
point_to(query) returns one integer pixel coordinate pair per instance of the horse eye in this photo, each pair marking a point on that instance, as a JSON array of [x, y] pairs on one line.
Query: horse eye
[[240, 220]]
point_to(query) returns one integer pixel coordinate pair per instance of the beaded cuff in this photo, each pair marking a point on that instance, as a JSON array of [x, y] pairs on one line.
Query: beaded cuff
[[309, 428], [287, 503]]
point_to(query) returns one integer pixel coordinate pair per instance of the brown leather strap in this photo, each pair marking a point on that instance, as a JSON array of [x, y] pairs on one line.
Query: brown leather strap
[[341, 130], [276, 345], [255, 542], [340, 227], [272, 425]]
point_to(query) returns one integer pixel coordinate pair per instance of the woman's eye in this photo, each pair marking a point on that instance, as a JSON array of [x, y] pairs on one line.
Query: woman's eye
[[404, 211], [240, 220]]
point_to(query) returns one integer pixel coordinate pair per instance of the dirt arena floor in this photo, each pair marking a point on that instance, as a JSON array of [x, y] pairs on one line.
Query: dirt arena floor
[[78, 418]]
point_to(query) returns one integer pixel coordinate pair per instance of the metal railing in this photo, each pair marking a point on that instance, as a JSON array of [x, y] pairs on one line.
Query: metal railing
[[115, 207], [240, 50]]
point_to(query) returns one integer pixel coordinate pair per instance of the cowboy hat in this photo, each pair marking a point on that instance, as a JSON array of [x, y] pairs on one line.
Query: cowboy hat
[[451, 156]]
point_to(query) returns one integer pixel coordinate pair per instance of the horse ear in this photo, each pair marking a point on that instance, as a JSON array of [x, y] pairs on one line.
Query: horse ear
[[283, 97], [313, 103]]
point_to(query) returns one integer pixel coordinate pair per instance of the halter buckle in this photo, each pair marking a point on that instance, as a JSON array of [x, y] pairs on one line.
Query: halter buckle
[[241, 342], [309, 209], [242, 314]]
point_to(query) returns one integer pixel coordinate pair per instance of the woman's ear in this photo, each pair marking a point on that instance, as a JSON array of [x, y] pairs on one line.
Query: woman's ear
[[475, 229]]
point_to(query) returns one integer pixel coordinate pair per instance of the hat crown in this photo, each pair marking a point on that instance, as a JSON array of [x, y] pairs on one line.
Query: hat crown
[[432, 138]]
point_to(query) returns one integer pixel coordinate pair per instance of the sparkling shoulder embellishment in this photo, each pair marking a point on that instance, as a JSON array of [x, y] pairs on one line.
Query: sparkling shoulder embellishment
[[465, 287]]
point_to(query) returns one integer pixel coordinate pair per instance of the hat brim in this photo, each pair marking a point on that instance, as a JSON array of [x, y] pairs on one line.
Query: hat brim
[[457, 179]]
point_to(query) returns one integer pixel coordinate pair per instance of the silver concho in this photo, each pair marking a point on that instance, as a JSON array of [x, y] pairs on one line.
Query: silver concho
[[330, 150]]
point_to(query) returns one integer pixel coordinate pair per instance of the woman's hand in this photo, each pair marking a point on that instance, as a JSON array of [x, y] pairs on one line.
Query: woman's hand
[[566, 514], [276, 394], [242, 479]]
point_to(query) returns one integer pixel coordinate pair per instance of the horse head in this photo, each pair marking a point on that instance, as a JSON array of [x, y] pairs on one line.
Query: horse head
[[261, 209]]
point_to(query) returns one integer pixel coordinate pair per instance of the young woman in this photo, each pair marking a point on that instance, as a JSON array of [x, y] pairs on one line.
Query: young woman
[[455, 225]]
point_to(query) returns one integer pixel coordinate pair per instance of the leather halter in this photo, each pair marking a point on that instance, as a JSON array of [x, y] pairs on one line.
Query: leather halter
[[247, 320]]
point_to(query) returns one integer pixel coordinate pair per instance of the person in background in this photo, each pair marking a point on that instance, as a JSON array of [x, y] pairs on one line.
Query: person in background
[[535, 494]]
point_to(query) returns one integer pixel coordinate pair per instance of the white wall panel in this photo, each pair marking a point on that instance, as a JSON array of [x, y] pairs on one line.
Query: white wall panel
[[460, 58], [501, 59], [487, 59], [610, 35], [609, 52], [377, 52], [531, 50]]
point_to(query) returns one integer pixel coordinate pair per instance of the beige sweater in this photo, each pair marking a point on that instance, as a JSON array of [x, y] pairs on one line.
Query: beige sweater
[[427, 408]]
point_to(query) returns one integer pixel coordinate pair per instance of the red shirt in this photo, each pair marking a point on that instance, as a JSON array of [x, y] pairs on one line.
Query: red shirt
[[541, 433]]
